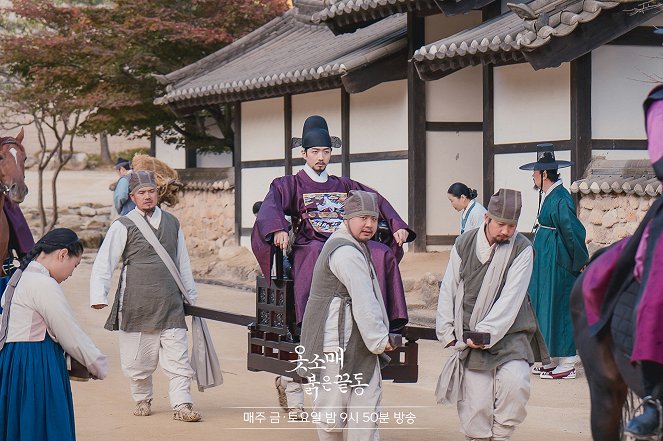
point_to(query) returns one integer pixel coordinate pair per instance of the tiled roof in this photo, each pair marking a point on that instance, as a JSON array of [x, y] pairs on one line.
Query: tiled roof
[[223, 184], [619, 177], [287, 55], [348, 15], [513, 35]]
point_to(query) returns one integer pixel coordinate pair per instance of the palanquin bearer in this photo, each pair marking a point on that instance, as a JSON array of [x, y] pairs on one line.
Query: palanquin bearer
[[314, 201], [148, 311], [559, 255], [346, 325], [484, 291]]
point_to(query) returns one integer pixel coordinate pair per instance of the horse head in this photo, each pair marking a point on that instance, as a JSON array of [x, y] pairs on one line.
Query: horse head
[[12, 168]]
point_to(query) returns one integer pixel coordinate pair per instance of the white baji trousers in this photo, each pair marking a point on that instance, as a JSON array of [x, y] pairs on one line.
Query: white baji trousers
[[494, 401], [139, 354], [334, 402]]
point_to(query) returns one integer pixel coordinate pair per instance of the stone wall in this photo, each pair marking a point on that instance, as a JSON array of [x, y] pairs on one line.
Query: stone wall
[[89, 221], [614, 197], [207, 217], [609, 217], [206, 211]]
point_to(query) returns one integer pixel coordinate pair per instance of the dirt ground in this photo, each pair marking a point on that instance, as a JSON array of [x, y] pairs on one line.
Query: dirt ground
[[558, 410], [73, 187]]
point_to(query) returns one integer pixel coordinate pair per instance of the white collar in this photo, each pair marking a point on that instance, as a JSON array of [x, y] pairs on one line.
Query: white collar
[[321, 178], [469, 207], [554, 186], [483, 248], [155, 219], [38, 267]]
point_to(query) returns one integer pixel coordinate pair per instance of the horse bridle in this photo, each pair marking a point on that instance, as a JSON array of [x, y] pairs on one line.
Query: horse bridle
[[4, 189]]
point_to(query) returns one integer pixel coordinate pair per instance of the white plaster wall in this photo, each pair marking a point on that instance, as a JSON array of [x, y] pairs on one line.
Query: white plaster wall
[[507, 175], [262, 130], [450, 157], [532, 105], [378, 118], [621, 155], [255, 184], [389, 178], [457, 97], [440, 26], [621, 78], [211, 160], [175, 158]]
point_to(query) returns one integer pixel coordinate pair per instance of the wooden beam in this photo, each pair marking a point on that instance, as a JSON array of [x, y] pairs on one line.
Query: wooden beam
[[619, 144], [416, 104], [529, 147], [237, 163], [448, 239], [390, 68], [443, 126], [287, 130], [581, 115], [640, 36], [262, 163], [607, 26], [393, 155], [345, 133]]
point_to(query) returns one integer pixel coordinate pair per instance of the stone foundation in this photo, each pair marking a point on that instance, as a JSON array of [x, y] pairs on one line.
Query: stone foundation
[[207, 218], [609, 218], [89, 221]]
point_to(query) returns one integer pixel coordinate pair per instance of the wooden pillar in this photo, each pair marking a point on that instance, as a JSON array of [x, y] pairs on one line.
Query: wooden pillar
[[581, 115], [190, 158], [237, 163], [487, 13], [488, 134], [416, 161], [345, 133], [287, 121]]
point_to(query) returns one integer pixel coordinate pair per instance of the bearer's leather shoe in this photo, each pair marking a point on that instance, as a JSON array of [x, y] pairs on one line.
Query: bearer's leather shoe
[[645, 426]]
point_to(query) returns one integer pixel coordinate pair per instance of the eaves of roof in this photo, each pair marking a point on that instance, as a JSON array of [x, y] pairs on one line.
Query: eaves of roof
[[349, 15], [287, 55], [524, 34], [619, 177]]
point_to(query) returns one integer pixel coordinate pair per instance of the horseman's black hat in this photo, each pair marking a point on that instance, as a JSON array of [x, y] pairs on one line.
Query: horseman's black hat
[[545, 159]]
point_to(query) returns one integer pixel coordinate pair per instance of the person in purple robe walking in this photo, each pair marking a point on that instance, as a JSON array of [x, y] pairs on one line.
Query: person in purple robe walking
[[314, 201]]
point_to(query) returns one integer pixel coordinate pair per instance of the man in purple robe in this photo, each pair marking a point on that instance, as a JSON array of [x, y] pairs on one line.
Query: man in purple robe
[[314, 201]]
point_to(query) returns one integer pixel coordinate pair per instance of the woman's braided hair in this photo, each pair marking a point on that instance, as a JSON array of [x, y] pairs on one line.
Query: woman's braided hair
[[54, 240]]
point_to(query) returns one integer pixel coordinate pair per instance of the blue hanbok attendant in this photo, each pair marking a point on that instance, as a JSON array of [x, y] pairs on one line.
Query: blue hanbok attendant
[[37, 327], [463, 199]]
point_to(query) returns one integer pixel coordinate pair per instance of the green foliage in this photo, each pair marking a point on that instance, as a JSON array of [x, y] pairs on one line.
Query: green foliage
[[94, 159], [98, 58]]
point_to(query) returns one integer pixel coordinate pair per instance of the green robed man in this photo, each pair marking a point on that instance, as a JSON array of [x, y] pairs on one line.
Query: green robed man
[[559, 255]]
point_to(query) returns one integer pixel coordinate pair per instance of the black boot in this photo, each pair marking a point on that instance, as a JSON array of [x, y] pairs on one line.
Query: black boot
[[647, 425]]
